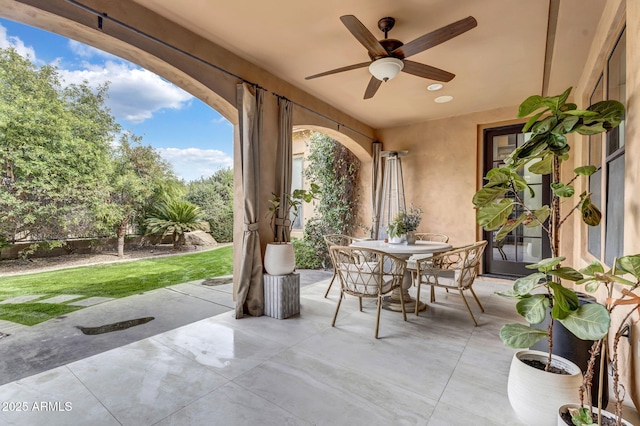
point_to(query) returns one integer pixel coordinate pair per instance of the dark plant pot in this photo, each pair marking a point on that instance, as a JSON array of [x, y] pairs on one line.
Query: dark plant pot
[[575, 350]]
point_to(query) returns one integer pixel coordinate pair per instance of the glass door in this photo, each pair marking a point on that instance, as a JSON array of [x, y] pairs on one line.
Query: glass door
[[523, 245]]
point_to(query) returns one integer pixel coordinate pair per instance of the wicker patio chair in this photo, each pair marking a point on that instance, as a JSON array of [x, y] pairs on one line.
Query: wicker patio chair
[[336, 240], [428, 236], [424, 236], [455, 269], [367, 273]]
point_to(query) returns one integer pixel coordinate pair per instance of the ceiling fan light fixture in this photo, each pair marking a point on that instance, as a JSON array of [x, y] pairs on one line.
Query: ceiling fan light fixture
[[385, 69]]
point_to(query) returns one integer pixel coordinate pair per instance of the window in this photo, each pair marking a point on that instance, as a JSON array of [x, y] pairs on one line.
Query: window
[[607, 151], [594, 245], [614, 216], [296, 183]]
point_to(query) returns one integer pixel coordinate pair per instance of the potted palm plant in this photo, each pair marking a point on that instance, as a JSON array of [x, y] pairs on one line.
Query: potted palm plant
[[552, 118], [279, 257], [175, 217]]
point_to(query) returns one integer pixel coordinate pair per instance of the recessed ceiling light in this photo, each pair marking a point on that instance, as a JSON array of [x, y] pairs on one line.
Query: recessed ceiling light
[[435, 86], [443, 99]]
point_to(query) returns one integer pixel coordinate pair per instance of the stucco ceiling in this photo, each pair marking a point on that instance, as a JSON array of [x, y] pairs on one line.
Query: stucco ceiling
[[497, 64]]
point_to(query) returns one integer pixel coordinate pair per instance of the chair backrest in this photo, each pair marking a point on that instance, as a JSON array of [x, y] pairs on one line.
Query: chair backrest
[[367, 272], [464, 261], [428, 236], [338, 240]]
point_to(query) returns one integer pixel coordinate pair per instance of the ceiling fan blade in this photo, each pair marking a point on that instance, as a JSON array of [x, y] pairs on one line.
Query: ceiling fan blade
[[337, 70], [372, 88], [364, 36], [426, 71], [436, 37]]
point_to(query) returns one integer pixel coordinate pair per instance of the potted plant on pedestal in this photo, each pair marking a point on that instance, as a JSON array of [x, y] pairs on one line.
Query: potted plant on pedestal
[[543, 291], [279, 257]]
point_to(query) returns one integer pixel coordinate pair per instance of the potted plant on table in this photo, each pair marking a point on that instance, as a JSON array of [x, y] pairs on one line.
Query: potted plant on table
[[404, 225], [279, 257], [543, 291]]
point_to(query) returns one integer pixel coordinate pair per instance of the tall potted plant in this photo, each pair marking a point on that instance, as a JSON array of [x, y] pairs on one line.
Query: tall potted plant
[[553, 118], [279, 257]]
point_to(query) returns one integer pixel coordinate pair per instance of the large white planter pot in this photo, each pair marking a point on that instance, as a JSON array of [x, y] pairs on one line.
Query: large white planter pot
[[279, 259], [536, 395], [565, 408]]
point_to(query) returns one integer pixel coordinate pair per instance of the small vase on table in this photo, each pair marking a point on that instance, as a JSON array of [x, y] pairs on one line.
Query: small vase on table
[[411, 237]]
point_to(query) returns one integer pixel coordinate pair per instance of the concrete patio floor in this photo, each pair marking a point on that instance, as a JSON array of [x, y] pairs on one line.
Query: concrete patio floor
[[436, 369]]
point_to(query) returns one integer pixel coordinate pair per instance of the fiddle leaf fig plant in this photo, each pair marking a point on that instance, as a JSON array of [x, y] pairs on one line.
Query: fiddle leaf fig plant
[[594, 277], [551, 119], [294, 201]]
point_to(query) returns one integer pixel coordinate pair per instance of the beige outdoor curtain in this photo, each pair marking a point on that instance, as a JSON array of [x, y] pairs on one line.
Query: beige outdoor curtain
[[250, 295], [376, 188], [283, 167]]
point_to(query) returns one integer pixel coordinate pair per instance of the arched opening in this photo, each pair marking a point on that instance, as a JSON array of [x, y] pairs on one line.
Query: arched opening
[[120, 317], [209, 84]]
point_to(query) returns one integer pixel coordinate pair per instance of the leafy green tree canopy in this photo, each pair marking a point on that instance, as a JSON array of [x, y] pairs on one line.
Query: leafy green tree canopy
[[55, 147], [214, 195]]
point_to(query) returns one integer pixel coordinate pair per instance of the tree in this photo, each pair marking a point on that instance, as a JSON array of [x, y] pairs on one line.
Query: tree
[[54, 152], [214, 195], [175, 217], [139, 179]]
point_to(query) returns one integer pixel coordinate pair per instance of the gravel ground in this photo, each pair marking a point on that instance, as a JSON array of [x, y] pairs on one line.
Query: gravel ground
[[20, 266]]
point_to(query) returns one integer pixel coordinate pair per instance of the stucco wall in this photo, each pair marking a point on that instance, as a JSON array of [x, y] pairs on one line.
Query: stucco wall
[[441, 171]]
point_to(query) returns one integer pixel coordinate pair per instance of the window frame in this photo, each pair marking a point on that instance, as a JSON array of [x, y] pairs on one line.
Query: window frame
[[607, 158]]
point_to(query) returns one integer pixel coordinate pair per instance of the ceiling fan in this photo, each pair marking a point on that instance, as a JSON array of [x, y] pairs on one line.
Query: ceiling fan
[[388, 56]]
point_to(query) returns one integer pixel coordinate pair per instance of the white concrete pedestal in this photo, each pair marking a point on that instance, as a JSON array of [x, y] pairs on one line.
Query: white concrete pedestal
[[281, 295]]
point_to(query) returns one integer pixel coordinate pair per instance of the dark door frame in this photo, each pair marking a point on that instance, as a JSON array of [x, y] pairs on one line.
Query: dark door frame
[[490, 265]]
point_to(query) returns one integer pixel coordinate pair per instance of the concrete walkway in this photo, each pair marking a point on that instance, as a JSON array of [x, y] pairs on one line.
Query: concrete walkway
[[59, 341]]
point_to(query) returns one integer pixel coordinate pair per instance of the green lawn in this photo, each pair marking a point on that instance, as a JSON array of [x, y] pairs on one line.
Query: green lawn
[[109, 280]]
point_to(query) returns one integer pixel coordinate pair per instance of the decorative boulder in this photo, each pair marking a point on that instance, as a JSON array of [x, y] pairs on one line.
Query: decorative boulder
[[199, 238]]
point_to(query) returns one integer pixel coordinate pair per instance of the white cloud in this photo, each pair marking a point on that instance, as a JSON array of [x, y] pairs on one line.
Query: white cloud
[[86, 51], [7, 41], [221, 120], [134, 93], [194, 163]]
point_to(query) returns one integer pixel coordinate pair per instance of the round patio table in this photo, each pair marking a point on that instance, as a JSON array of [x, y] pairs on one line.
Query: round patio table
[[403, 251]]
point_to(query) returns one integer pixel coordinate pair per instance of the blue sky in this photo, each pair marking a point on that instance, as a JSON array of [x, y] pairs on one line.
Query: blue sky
[[192, 136]]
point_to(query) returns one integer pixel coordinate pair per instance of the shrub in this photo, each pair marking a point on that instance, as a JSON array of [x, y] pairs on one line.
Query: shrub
[[335, 169], [305, 255]]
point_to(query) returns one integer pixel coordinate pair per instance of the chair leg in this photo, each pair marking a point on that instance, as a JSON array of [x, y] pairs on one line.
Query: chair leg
[[404, 311], [417, 311], [333, 323], [378, 315], [468, 308], [433, 294], [360, 303], [477, 300], [330, 284]]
